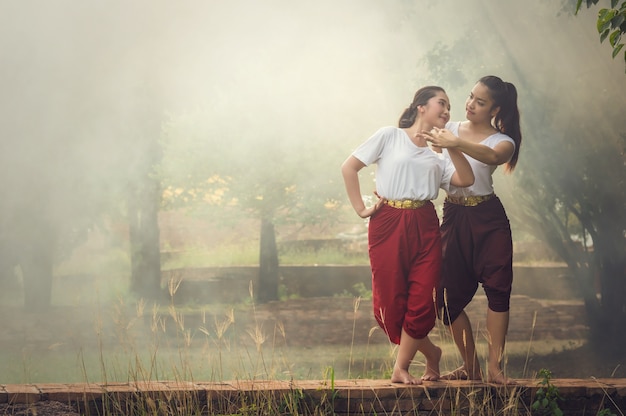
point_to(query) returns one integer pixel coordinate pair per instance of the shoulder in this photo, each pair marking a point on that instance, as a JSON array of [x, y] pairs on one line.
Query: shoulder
[[498, 138], [387, 133], [389, 130], [453, 126]]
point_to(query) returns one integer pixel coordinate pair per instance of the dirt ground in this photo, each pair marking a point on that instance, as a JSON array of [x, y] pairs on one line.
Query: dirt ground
[[48, 408], [582, 360]]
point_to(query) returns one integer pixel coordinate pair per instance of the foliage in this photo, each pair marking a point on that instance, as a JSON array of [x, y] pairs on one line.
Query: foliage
[[359, 290], [547, 397], [65, 167], [568, 203], [566, 198], [611, 24], [231, 162], [569, 188], [212, 166]]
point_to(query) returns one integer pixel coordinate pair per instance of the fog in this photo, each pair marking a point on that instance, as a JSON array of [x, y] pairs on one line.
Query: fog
[[85, 84]]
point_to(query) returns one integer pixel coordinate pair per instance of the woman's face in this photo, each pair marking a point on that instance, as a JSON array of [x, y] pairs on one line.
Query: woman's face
[[479, 106], [437, 110]]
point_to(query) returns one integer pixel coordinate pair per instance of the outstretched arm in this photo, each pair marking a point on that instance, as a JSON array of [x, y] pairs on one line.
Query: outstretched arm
[[464, 176], [500, 154], [350, 171]]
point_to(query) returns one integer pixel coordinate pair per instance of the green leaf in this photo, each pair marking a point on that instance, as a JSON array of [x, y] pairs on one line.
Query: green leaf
[[604, 35], [616, 50], [613, 3], [618, 20], [614, 38], [604, 19]]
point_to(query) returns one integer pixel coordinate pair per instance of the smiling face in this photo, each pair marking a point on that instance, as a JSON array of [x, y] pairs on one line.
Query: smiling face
[[479, 107], [436, 112]]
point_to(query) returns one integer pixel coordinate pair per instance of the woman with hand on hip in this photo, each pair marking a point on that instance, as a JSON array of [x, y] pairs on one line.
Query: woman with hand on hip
[[476, 235], [403, 235]]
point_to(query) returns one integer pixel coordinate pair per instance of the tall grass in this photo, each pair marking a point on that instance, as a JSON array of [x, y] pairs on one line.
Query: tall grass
[[141, 343]]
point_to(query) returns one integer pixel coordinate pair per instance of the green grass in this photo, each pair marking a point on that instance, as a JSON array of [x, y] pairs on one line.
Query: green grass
[[126, 340], [98, 333], [85, 352], [248, 255], [224, 255]]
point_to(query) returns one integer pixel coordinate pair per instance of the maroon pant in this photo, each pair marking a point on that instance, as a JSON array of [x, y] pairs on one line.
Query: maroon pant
[[405, 256], [477, 248]]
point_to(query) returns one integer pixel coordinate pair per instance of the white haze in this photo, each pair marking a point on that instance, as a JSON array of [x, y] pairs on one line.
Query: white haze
[[81, 79]]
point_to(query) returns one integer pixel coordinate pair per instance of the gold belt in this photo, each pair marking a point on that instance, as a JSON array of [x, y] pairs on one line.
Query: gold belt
[[469, 201], [405, 203]]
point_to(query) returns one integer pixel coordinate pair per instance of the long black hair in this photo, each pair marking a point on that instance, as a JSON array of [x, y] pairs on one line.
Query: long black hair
[[407, 119], [507, 121]]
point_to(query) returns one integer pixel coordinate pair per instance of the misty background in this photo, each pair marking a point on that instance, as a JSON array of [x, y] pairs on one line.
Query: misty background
[[115, 114]]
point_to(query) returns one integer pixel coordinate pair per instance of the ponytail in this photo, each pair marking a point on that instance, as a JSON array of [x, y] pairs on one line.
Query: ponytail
[[409, 115], [507, 121]]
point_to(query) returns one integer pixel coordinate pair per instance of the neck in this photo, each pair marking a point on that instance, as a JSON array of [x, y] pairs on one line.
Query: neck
[[418, 127], [414, 131], [481, 127]]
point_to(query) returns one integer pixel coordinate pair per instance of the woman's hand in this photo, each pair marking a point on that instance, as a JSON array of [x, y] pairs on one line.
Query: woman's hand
[[441, 138], [501, 153], [369, 211], [349, 170]]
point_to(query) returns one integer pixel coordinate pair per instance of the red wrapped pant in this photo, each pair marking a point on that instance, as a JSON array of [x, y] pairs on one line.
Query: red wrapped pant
[[405, 257]]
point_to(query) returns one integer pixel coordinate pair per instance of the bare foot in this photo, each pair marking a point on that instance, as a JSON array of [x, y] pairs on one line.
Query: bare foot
[[402, 376], [462, 374], [501, 379], [432, 366]]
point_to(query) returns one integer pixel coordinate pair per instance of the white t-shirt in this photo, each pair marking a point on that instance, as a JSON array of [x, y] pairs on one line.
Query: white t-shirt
[[483, 182], [404, 170]]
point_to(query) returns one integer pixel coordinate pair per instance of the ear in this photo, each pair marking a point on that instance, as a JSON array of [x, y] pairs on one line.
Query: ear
[[495, 111]]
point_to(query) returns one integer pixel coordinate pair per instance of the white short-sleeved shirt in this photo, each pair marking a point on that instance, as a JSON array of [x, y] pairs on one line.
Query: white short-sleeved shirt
[[483, 181], [404, 170]]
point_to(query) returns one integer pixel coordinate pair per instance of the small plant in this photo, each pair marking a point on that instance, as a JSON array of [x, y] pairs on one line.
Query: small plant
[[362, 291], [358, 289], [327, 404], [547, 398]]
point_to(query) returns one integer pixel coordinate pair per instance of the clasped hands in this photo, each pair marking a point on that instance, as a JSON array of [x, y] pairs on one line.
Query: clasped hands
[[439, 137]]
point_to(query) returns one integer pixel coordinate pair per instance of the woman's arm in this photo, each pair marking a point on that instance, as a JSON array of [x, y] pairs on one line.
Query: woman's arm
[[350, 171], [500, 154], [464, 176]]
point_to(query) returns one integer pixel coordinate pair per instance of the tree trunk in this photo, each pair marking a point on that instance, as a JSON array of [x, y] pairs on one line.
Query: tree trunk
[[144, 235], [609, 320], [268, 263], [34, 242], [36, 264], [144, 198]]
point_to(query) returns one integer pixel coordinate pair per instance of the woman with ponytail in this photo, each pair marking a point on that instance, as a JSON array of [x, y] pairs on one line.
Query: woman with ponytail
[[403, 235], [476, 235]]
